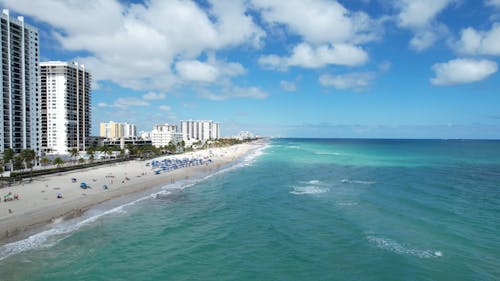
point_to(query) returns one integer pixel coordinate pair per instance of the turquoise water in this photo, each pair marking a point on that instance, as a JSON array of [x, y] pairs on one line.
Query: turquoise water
[[298, 210]]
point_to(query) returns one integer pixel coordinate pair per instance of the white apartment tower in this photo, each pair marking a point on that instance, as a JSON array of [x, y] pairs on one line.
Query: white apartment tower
[[19, 83], [65, 99], [196, 130]]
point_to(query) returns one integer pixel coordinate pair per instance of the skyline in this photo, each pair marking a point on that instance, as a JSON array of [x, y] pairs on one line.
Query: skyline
[[403, 69]]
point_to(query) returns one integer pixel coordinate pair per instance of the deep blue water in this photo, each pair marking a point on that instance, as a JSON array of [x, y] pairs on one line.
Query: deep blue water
[[302, 209]]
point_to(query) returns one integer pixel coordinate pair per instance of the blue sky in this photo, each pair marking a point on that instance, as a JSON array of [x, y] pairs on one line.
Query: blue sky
[[318, 68]]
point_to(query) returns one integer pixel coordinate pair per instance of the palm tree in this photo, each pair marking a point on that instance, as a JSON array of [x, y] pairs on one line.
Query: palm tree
[[90, 153], [109, 151], [81, 161], [44, 161], [58, 162], [122, 153], [8, 156], [74, 153], [28, 156]]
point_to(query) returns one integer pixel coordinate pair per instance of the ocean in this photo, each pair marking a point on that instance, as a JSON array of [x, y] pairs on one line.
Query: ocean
[[297, 209]]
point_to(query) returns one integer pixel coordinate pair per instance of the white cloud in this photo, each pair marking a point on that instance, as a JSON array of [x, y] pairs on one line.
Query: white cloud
[[307, 56], [194, 70], [461, 71], [232, 91], [165, 107], [124, 103], [209, 71], [493, 3], [420, 17], [288, 86], [135, 45], [154, 96], [357, 81], [320, 21], [475, 42]]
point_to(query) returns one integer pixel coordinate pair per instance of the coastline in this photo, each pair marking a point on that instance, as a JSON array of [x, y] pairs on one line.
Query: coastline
[[39, 206]]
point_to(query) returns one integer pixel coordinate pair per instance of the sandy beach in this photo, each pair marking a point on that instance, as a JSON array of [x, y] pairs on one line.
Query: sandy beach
[[38, 203]]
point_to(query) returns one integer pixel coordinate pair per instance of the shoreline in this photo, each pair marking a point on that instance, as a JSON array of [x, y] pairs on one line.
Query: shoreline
[[39, 207]]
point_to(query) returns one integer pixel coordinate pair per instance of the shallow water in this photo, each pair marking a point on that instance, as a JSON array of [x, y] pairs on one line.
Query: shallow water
[[299, 210]]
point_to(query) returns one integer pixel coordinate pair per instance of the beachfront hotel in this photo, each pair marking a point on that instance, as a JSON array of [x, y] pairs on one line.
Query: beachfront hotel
[[199, 130], [114, 130], [20, 107], [163, 135], [65, 100]]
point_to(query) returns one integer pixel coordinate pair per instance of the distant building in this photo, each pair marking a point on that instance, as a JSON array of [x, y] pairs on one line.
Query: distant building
[[114, 130], [129, 131], [199, 130], [245, 135], [163, 135], [19, 89], [165, 128], [65, 99]]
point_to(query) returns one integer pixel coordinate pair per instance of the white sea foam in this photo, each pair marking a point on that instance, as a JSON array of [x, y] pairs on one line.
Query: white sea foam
[[348, 203], [310, 189], [357, 181], [393, 246], [328, 153]]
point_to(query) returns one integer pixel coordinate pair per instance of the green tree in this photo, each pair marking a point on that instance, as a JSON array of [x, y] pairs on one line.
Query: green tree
[[81, 161], [18, 162], [28, 156], [90, 153], [8, 156], [109, 151], [73, 153], [58, 162], [44, 161]]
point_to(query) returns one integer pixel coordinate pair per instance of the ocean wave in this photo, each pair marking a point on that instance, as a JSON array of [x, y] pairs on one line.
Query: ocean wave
[[395, 247], [310, 187], [299, 190], [328, 153], [358, 181], [62, 229]]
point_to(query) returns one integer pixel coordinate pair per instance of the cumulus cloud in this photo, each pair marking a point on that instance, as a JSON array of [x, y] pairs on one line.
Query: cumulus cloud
[[288, 86], [320, 21], [420, 17], [475, 42], [307, 56], [136, 45], [209, 71], [357, 81], [462, 71]]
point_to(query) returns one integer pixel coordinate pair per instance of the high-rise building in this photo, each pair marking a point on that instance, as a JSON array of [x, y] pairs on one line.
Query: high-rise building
[[196, 130], [164, 134], [65, 98], [19, 86], [114, 130], [129, 131], [165, 128]]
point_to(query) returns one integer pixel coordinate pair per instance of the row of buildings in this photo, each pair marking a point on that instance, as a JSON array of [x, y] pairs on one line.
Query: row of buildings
[[45, 106], [190, 131]]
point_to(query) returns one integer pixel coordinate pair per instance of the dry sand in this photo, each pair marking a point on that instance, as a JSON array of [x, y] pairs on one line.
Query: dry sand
[[39, 205]]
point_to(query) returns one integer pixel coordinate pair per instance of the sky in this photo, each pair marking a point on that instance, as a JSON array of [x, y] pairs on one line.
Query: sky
[[294, 68]]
